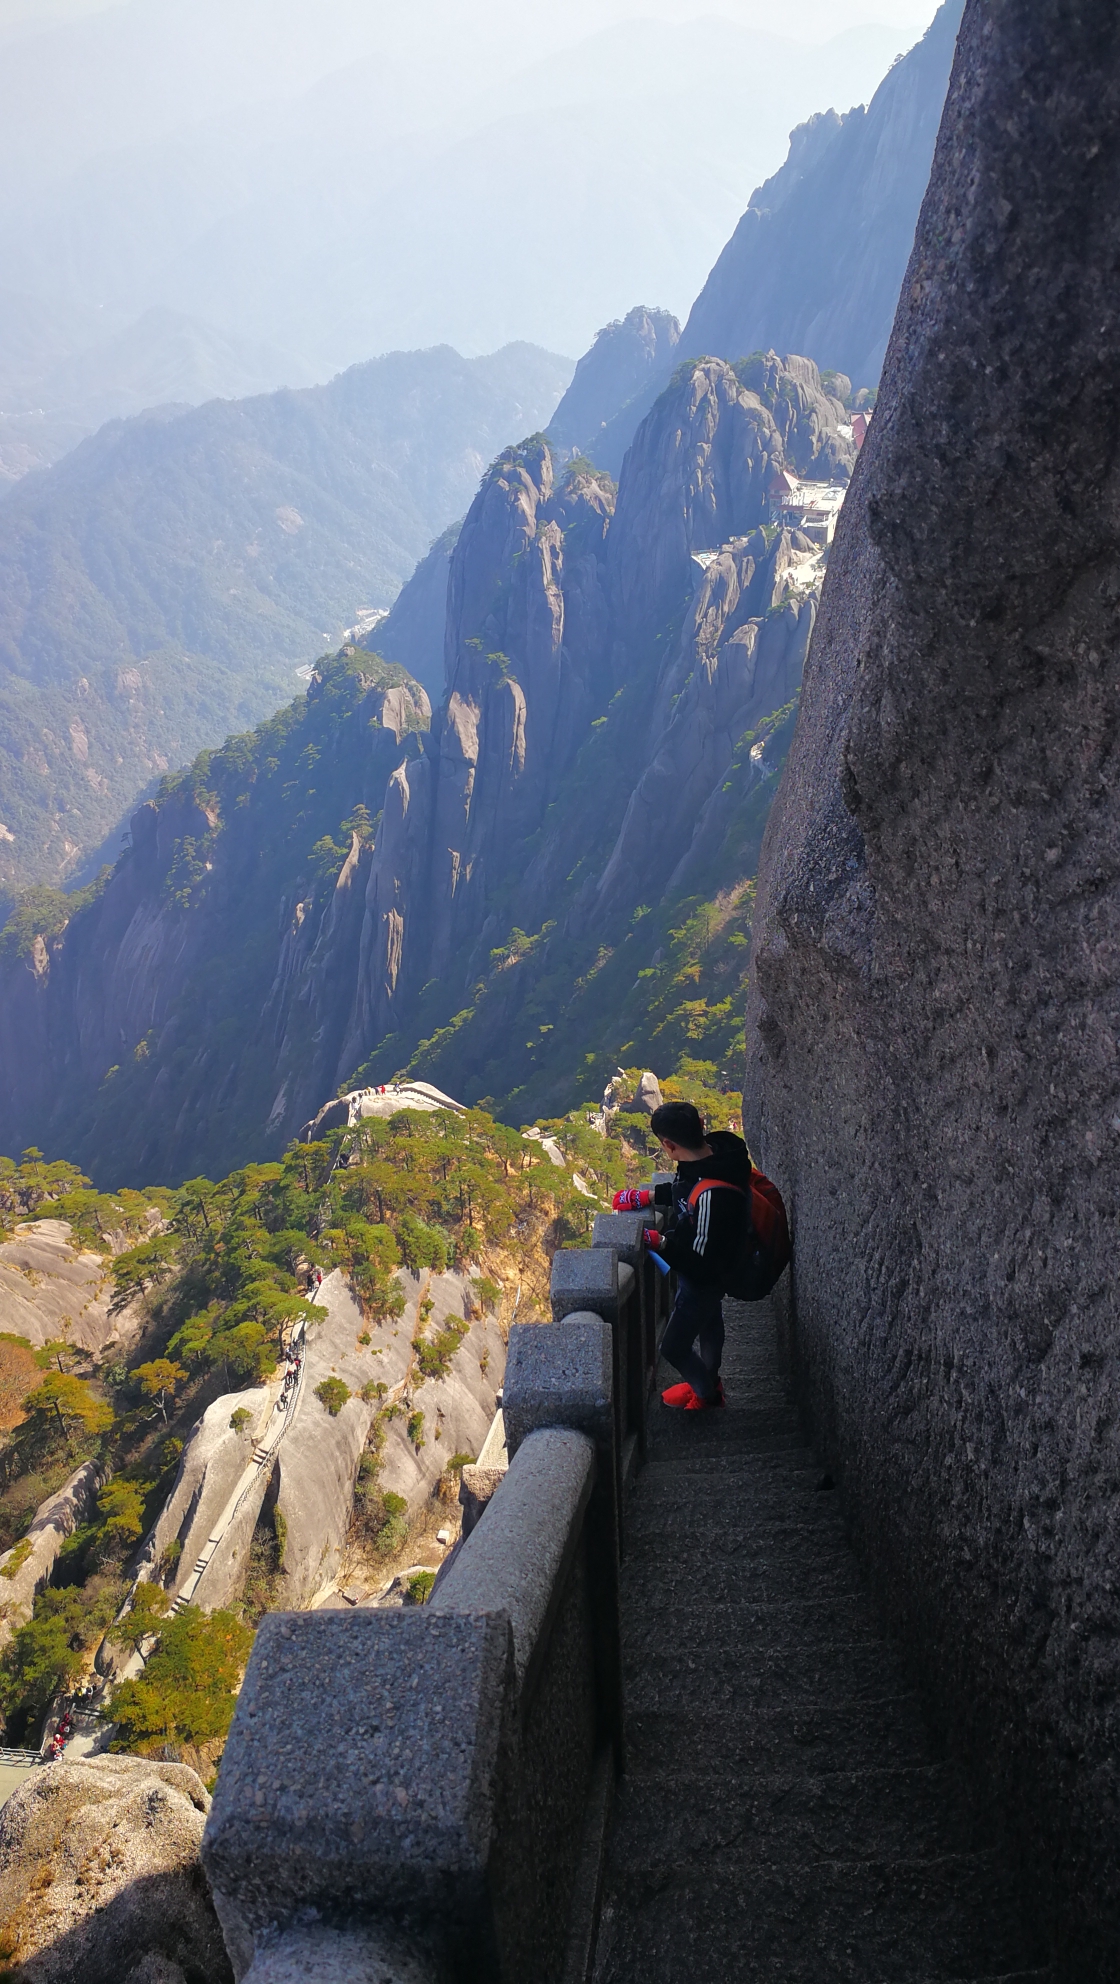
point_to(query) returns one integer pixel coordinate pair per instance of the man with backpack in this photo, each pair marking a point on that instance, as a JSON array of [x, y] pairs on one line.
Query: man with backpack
[[730, 1238]]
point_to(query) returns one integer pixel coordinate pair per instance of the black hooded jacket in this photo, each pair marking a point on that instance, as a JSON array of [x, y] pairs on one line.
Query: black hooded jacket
[[712, 1239]]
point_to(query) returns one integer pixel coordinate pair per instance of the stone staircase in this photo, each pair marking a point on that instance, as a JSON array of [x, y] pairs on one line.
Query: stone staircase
[[782, 1819]]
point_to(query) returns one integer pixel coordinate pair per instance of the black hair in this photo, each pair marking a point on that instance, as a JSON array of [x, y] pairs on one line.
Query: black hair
[[680, 1122]]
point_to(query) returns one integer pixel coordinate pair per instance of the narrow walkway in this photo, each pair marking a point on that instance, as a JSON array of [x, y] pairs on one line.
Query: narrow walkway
[[289, 1392], [782, 1820]]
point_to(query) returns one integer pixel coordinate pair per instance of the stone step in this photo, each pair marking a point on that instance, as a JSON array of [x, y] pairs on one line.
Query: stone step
[[764, 1423], [719, 1465], [665, 1748], [730, 1442], [725, 1533], [797, 1620], [783, 1818], [718, 1675], [905, 1813], [730, 1576], [1005, 1977], [724, 1507], [819, 1922], [671, 1554]]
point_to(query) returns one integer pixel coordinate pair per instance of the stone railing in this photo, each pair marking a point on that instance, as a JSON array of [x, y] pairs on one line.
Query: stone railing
[[421, 1796]]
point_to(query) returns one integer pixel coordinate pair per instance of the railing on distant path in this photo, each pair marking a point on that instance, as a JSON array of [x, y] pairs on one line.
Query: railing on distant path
[[447, 1823], [281, 1417]]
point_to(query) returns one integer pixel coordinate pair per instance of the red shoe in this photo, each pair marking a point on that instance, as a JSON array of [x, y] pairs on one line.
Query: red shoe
[[678, 1395], [697, 1404]]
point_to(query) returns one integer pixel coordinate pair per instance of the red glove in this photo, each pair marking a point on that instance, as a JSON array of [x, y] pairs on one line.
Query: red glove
[[633, 1200], [653, 1239]]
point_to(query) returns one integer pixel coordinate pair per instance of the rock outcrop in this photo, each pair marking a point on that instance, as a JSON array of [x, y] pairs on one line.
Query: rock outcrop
[[216, 1455], [100, 1877], [413, 632], [51, 1288], [26, 1568], [816, 261], [624, 358], [308, 1481], [317, 1464], [218, 942], [933, 1074]]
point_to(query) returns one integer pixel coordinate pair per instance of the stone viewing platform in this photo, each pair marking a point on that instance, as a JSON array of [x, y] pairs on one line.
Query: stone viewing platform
[[645, 1729]]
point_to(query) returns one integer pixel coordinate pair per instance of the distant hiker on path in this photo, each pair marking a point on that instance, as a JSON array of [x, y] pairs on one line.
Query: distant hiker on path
[[730, 1238]]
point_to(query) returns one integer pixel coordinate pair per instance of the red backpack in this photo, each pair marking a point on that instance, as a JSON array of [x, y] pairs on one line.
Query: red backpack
[[766, 1249]]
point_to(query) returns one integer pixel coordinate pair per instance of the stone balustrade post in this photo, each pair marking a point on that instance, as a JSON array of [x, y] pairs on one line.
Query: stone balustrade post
[[563, 1375], [592, 1281], [622, 1232], [420, 1795]]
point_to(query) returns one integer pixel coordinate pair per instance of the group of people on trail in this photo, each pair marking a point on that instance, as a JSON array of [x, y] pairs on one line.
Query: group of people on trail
[[291, 1379], [730, 1236], [61, 1736]]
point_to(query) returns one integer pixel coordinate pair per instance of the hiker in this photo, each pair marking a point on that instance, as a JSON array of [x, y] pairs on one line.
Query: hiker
[[730, 1238]]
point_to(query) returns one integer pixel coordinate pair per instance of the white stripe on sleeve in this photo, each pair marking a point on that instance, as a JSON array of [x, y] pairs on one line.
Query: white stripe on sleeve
[[704, 1211]]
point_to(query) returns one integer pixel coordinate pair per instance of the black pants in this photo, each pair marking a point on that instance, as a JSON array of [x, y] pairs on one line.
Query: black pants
[[697, 1314]]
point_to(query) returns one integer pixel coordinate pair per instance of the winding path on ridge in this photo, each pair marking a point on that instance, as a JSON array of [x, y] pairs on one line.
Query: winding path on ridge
[[289, 1393]]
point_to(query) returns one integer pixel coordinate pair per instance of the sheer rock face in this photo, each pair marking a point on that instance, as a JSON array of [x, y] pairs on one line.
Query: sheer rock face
[[816, 261], [52, 1286], [932, 1055], [100, 1877], [575, 666], [622, 359], [413, 633], [731, 666], [557, 597], [26, 1572]]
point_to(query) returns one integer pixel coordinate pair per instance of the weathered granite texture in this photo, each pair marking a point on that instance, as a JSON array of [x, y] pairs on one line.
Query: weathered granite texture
[[52, 1286], [100, 1880], [23, 1573], [933, 1074]]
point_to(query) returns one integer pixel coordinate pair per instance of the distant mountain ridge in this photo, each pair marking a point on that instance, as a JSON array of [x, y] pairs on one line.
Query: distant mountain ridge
[[383, 206], [816, 262], [241, 537], [346, 888], [61, 379], [160, 584]]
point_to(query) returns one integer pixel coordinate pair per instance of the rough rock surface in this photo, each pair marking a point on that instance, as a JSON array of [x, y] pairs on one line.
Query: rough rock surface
[[213, 1460], [100, 1878], [932, 1059], [54, 1520], [50, 1288], [317, 1463], [413, 633]]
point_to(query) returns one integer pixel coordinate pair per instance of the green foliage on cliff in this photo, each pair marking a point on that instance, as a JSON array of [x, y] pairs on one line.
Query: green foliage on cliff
[[248, 840], [554, 1014], [188, 1689], [44, 912]]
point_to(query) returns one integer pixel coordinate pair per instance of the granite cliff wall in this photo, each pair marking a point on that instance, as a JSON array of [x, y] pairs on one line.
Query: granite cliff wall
[[603, 651], [932, 1051]]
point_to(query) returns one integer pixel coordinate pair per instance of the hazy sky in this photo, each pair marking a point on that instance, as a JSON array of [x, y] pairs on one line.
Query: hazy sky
[[327, 179], [814, 19]]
